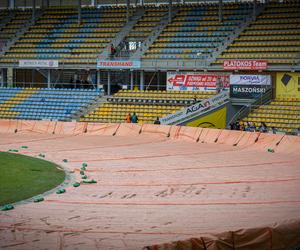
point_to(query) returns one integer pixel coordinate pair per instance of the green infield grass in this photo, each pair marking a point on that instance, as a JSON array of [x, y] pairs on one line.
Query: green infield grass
[[22, 177]]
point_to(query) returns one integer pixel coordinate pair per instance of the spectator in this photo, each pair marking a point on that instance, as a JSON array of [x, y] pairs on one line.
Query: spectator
[[128, 118], [242, 126], [263, 128], [274, 130], [237, 125], [195, 99], [231, 126], [112, 50], [157, 121], [219, 85], [134, 118]]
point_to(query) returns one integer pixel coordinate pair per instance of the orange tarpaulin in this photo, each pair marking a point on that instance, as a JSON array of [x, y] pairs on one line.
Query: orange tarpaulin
[[8, 126], [129, 129], [70, 128], [102, 128], [187, 133], [157, 187]]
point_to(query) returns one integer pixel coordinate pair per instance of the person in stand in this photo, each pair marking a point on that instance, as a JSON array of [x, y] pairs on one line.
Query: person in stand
[[112, 50], [263, 128], [237, 125], [219, 85], [195, 100], [157, 121], [128, 118], [134, 118]]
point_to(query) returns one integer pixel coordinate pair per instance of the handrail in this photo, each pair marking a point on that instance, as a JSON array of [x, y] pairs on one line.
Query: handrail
[[265, 98]]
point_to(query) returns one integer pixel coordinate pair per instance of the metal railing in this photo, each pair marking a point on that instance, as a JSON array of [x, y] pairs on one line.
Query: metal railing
[[262, 100], [82, 85]]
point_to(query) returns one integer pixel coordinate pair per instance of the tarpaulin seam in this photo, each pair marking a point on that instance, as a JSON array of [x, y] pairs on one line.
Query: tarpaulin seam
[[201, 183], [203, 243], [170, 203]]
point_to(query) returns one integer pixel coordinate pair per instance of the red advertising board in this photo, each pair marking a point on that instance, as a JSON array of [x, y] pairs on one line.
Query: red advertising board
[[195, 81], [245, 64]]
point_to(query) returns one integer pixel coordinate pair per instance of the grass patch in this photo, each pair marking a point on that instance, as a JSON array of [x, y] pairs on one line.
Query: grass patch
[[22, 177]]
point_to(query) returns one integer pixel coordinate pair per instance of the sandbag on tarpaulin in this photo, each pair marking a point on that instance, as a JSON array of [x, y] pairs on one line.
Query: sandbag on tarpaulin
[[279, 237]]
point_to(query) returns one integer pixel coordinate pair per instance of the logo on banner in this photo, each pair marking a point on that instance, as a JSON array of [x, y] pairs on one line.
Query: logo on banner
[[245, 64], [38, 63], [118, 64], [288, 84], [195, 81], [250, 80], [249, 86], [195, 109]]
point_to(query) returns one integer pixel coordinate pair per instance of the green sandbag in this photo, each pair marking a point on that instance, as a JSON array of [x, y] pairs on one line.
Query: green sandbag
[[77, 184], [65, 160], [39, 199], [24, 147], [89, 181], [82, 172], [7, 207], [84, 177], [84, 164], [271, 150], [83, 168], [61, 191], [13, 150]]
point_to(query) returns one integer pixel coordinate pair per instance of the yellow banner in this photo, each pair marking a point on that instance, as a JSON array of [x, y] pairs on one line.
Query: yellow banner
[[216, 119], [288, 85]]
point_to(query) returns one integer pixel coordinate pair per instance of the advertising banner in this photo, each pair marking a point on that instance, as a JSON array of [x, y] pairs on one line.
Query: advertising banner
[[103, 64], [196, 81], [250, 80], [38, 63], [245, 64], [248, 91], [215, 119], [288, 85], [249, 86], [195, 109]]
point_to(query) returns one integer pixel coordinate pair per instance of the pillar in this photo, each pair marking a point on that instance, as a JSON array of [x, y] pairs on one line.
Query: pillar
[[9, 76], [142, 80], [33, 10], [79, 11], [170, 11], [108, 83], [49, 78], [93, 3], [254, 9], [1, 78], [131, 80], [98, 79], [158, 79], [220, 10], [11, 4], [128, 6]]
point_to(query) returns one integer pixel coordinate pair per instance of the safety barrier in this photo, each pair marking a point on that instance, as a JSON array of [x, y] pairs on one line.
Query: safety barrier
[[252, 140]]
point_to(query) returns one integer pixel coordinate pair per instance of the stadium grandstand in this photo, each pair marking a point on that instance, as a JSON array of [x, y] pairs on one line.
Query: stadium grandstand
[[195, 68]]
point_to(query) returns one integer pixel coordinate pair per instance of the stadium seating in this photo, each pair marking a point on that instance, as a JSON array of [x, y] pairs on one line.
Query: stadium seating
[[57, 35], [15, 24], [146, 104], [195, 31], [146, 24], [274, 36], [282, 114], [48, 103]]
